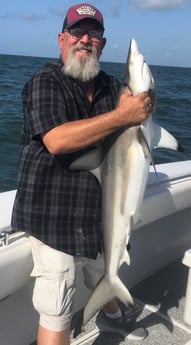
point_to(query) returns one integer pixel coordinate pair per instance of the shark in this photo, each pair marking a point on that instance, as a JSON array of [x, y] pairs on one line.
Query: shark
[[122, 168]]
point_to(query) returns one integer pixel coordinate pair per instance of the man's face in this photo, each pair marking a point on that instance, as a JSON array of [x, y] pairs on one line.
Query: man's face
[[81, 47]]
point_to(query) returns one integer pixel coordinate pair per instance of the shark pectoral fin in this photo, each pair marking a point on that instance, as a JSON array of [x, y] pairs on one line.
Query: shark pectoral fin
[[97, 174], [88, 158]]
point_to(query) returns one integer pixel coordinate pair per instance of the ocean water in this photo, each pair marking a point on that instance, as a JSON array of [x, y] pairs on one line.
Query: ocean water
[[173, 91]]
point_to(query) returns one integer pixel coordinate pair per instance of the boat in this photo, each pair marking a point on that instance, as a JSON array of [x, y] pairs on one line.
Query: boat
[[157, 275]]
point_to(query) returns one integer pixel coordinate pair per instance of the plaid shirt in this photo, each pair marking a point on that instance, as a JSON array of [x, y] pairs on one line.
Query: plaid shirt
[[60, 207]]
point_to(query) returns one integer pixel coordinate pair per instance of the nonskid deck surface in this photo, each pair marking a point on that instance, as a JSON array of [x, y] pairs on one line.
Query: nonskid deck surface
[[159, 306]]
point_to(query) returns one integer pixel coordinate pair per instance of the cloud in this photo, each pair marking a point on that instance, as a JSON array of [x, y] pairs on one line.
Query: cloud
[[27, 16], [115, 8], [157, 4], [172, 51], [5, 15], [58, 11], [30, 17]]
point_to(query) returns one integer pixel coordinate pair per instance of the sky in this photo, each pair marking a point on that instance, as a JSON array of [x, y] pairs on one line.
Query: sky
[[162, 28]]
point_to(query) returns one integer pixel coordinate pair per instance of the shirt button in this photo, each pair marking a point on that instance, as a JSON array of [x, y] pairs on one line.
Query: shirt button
[[79, 231]]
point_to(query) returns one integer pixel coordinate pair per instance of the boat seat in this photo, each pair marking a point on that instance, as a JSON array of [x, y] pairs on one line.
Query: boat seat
[[187, 307], [15, 264], [15, 253], [6, 206]]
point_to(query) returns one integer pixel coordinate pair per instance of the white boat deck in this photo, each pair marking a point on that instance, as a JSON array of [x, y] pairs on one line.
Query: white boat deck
[[159, 307]]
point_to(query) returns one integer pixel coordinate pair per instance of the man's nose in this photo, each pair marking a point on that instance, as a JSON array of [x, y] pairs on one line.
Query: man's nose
[[85, 38]]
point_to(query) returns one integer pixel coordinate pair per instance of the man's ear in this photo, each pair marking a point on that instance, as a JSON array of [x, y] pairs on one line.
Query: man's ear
[[60, 39], [104, 40]]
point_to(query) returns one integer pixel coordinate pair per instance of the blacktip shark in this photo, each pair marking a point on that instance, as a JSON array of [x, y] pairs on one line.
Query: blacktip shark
[[123, 173]]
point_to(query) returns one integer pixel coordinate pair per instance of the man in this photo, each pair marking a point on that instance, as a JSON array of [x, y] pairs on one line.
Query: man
[[69, 106]]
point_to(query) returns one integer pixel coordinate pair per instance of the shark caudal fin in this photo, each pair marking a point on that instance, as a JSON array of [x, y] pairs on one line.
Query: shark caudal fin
[[106, 290]]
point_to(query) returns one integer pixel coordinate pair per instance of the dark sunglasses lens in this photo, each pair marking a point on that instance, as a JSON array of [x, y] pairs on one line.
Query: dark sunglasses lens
[[79, 32], [95, 34]]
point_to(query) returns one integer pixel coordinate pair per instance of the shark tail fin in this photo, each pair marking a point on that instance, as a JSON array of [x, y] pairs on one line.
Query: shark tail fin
[[106, 290], [121, 292]]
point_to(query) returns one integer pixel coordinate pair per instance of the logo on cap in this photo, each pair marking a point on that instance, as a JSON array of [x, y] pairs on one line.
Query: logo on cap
[[86, 10]]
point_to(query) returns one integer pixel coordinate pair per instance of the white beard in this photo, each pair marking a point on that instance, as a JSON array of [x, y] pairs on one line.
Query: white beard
[[84, 68]]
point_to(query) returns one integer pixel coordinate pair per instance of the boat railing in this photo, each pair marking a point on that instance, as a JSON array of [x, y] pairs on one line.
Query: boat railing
[[4, 238]]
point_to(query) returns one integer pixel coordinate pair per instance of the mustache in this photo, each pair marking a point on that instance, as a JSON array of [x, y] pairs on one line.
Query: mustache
[[82, 46]]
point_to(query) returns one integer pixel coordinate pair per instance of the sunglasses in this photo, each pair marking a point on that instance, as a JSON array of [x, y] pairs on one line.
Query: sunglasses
[[80, 32]]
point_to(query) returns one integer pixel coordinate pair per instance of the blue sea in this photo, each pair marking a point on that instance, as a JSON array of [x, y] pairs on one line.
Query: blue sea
[[173, 90]]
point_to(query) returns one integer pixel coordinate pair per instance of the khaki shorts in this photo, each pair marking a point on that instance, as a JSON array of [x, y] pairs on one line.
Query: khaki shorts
[[55, 283]]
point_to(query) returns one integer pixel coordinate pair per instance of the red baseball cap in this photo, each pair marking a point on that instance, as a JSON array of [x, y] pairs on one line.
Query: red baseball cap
[[80, 12]]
